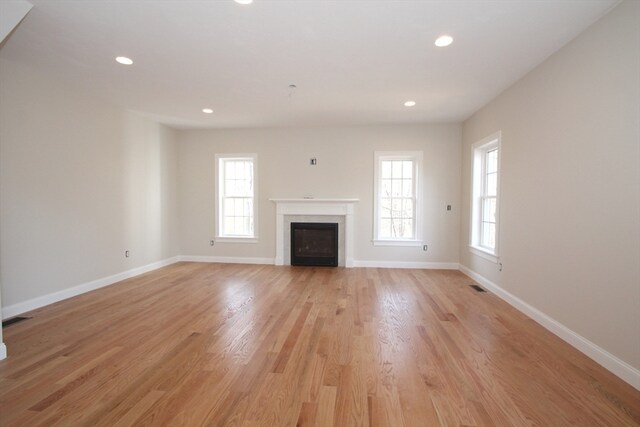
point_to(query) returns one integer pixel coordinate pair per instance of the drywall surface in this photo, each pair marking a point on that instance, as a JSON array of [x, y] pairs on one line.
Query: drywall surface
[[570, 190], [345, 169], [80, 183]]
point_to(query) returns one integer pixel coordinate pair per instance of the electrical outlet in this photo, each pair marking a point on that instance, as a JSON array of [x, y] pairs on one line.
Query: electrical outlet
[[126, 254], [448, 207], [211, 243], [425, 247], [499, 266]]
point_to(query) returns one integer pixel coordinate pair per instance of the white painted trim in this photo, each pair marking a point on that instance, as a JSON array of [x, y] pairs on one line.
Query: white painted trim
[[414, 243], [616, 366], [236, 240], [482, 253], [315, 207], [3, 351], [227, 259], [34, 303], [407, 264]]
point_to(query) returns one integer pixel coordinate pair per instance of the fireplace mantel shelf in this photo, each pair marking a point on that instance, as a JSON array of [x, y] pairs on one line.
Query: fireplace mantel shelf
[[315, 207], [305, 200]]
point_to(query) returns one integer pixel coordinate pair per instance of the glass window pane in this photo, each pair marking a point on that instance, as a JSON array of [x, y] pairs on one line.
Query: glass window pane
[[492, 160], [396, 169], [396, 187], [228, 225], [492, 184], [386, 169], [396, 228], [228, 207], [489, 210], [396, 208], [407, 188], [229, 187], [386, 188], [230, 170], [407, 229], [239, 209], [485, 238], [385, 208], [385, 228], [492, 235], [407, 169], [248, 207], [407, 208]]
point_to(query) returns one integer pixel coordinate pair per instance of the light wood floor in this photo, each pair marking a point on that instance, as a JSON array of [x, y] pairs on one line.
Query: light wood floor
[[244, 345]]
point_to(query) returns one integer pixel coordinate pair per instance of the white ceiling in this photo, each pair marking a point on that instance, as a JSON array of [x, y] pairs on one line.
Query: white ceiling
[[353, 61]]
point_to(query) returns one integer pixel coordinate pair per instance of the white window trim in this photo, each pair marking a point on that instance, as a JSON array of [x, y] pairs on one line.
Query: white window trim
[[218, 217], [384, 155], [482, 146]]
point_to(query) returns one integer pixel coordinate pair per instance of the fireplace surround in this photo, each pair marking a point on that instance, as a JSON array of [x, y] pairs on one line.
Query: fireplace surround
[[315, 210]]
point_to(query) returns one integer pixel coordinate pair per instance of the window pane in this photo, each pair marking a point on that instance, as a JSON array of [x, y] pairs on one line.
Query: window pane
[[386, 169], [492, 235], [486, 232], [492, 184], [489, 210], [385, 208], [386, 188], [238, 208], [407, 169], [492, 160], [248, 207], [396, 169], [230, 170], [396, 208], [396, 228], [396, 187], [407, 228], [228, 207], [407, 208], [385, 228], [407, 188], [228, 225]]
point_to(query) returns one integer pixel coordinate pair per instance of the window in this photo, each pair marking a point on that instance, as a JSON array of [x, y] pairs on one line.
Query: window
[[485, 193], [396, 198], [236, 197]]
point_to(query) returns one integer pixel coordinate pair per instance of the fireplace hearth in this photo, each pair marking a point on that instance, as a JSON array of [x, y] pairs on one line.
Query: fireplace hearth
[[314, 244]]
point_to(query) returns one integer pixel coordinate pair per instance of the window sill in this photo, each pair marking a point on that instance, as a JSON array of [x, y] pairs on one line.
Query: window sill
[[236, 240], [396, 243], [483, 253]]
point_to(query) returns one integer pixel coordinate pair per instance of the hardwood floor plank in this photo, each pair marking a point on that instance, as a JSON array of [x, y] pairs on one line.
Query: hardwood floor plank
[[196, 344]]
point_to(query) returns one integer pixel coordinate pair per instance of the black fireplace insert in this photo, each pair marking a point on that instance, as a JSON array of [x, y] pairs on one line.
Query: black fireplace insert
[[314, 243]]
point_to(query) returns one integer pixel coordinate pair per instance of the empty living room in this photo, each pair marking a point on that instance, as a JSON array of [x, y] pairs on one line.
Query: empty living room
[[320, 213]]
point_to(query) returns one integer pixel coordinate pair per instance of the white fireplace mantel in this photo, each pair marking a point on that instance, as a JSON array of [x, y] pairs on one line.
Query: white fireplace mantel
[[328, 207]]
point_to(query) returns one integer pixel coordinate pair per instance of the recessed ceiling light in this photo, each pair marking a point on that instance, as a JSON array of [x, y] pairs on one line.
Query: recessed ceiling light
[[124, 60], [444, 41], [244, 1], [410, 103], [207, 110]]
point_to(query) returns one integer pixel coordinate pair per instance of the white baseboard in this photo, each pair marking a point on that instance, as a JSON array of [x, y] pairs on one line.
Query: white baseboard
[[227, 259], [32, 304], [407, 264], [616, 366], [3, 351]]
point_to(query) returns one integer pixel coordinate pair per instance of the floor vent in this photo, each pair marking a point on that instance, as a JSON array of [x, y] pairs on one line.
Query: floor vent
[[478, 288], [14, 320]]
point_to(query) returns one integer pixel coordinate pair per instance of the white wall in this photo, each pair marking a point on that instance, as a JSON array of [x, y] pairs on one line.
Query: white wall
[[344, 170], [80, 182], [570, 207]]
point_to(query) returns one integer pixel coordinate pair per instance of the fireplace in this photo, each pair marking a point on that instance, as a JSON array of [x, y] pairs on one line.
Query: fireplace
[[314, 243]]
